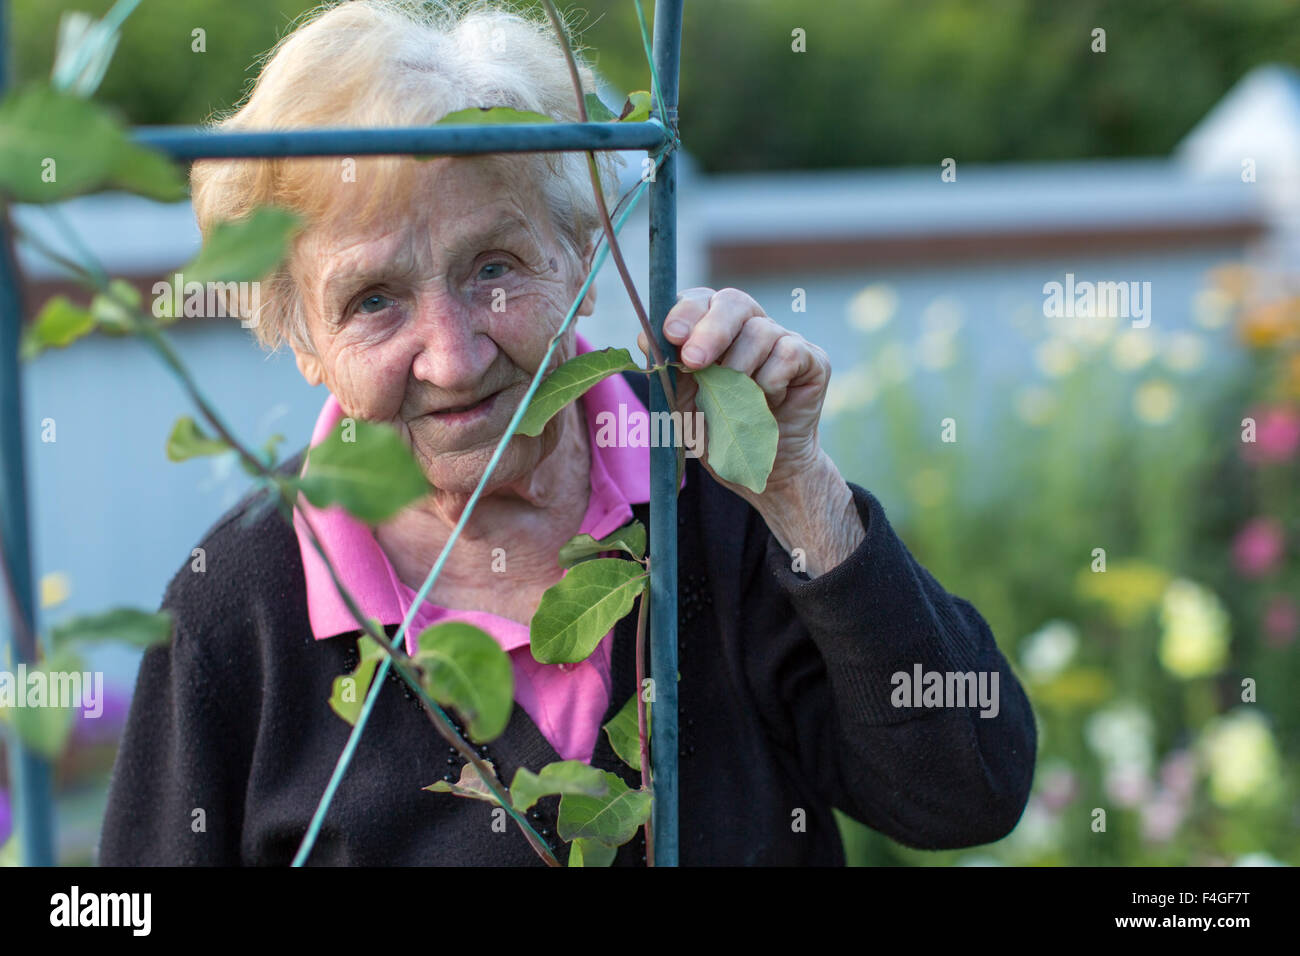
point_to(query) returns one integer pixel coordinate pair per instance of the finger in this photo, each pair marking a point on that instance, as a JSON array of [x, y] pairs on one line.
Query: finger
[[690, 308], [753, 345], [713, 334], [791, 363]]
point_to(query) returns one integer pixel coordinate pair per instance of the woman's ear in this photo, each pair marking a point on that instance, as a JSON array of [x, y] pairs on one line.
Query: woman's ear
[[310, 367]]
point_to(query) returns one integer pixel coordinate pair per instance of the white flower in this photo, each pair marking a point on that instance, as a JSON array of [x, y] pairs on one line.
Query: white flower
[[1121, 736], [873, 307], [1035, 404], [1133, 348], [1056, 357], [1047, 651], [1184, 352], [851, 389]]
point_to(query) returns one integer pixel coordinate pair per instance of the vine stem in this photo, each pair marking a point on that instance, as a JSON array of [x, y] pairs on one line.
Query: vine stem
[[655, 351], [642, 723]]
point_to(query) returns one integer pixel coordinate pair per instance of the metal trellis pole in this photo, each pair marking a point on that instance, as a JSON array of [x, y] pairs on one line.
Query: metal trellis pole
[[29, 773], [663, 460]]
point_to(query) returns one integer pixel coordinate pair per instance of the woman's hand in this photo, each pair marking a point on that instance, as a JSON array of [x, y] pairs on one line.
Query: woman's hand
[[806, 503]]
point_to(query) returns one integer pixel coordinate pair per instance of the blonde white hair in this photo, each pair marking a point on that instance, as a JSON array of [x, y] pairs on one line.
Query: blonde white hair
[[389, 63]]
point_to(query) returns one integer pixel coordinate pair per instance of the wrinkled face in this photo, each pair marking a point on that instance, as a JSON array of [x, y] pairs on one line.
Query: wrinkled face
[[435, 317]]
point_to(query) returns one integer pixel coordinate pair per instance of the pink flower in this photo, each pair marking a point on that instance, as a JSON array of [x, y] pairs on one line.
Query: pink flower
[[1258, 547], [1277, 435], [1280, 621], [1161, 817], [1178, 773], [1059, 787]]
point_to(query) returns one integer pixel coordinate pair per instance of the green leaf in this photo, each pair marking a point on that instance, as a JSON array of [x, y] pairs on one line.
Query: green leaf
[[469, 785], [625, 735], [244, 250], [59, 324], [55, 145], [565, 776], [637, 108], [45, 728], [590, 853], [597, 111], [188, 440], [610, 820], [569, 382], [121, 625], [465, 668], [348, 692], [629, 538], [9, 853], [484, 115], [115, 311], [372, 476], [742, 430], [576, 612]]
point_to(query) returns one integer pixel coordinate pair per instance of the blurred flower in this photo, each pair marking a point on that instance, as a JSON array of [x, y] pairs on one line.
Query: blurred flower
[[1133, 348], [1161, 817], [1271, 323], [1127, 784], [893, 366], [1242, 759], [873, 307], [1277, 435], [1038, 830], [1121, 735], [1128, 587], [1194, 641], [1154, 402], [1178, 772], [943, 316], [1035, 404], [1280, 620], [935, 351], [1257, 549], [1057, 786], [1047, 651], [1056, 357], [1184, 352], [851, 389], [1212, 308], [1257, 859], [1231, 281], [55, 589]]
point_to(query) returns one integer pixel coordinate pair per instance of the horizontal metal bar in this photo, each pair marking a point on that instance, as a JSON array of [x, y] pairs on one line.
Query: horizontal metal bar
[[181, 142]]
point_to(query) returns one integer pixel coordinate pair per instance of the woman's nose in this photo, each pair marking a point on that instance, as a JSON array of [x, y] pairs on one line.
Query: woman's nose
[[453, 352]]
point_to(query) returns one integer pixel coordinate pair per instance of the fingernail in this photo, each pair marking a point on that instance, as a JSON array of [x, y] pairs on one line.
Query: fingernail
[[675, 328], [693, 354]]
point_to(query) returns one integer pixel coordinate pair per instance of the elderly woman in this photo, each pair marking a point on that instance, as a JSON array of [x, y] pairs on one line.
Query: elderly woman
[[792, 668]]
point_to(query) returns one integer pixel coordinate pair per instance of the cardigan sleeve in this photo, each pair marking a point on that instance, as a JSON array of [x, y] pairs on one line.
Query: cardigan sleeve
[[176, 795], [929, 777]]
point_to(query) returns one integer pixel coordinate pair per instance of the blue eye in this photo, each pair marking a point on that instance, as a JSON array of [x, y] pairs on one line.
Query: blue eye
[[374, 303], [492, 265]]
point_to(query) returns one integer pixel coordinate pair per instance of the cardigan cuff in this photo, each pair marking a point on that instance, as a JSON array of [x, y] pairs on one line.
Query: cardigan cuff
[[879, 613]]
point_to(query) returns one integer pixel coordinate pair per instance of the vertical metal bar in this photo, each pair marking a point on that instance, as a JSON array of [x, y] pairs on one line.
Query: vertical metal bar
[[29, 774], [663, 461]]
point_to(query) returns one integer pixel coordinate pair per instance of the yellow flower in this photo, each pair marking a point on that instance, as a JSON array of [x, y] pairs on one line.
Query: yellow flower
[[54, 589], [1184, 352], [1133, 348], [1154, 402], [1241, 758], [1194, 640], [1129, 588], [1056, 357]]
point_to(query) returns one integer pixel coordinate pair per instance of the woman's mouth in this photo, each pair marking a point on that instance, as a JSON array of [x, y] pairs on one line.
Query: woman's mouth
[[465, 414]]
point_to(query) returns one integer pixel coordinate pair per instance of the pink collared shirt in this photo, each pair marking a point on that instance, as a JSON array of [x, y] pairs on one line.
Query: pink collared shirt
[[565, 701]]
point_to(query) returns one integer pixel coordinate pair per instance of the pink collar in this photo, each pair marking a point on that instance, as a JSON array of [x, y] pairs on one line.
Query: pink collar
[[620, 477]]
